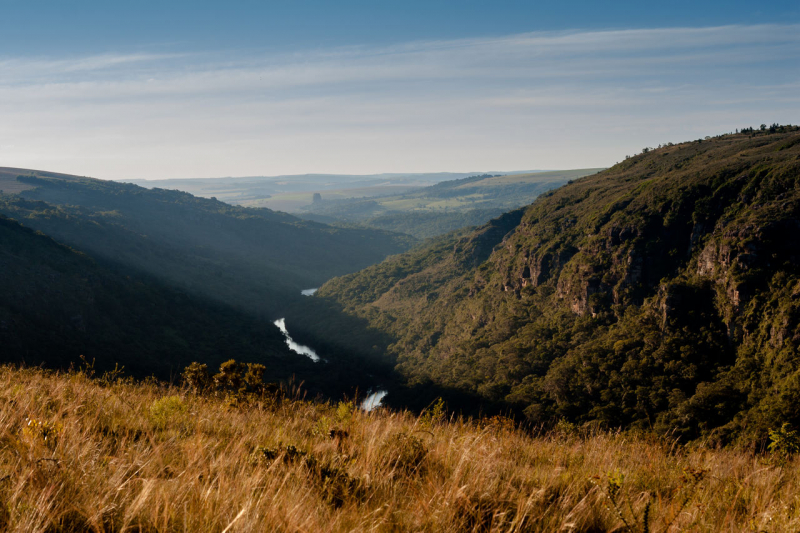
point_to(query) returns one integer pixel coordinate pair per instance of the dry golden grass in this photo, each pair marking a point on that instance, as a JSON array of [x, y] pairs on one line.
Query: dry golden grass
[[83, 455]]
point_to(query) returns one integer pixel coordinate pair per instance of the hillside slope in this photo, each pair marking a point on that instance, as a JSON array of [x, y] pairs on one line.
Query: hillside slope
[[251, 258], [57, 304], [661, 293], [82, 455]]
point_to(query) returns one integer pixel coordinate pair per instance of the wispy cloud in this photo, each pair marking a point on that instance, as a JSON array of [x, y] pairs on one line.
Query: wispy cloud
[[538, 100]]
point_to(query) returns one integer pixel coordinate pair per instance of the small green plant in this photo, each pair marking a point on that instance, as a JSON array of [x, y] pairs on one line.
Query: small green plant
[[433, 414], [167, 411], [328, 425], [86, 368], [344, 412], [784, 442], [111, 377], [565, 429]]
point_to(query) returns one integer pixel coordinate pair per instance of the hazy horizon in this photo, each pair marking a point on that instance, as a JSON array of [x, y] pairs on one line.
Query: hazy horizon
[[215, 94]]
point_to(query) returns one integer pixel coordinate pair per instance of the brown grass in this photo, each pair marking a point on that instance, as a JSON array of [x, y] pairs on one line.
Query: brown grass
[[81, 455]]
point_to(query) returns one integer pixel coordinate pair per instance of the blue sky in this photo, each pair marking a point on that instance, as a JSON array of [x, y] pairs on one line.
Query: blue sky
[[198, 89]]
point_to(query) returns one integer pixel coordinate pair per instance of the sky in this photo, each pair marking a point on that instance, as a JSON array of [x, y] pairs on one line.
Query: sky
[[155, 90]]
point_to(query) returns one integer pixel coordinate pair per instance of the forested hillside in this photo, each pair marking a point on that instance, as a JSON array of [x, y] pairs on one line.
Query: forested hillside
[[661, 293], [250, 258], [57, 304]]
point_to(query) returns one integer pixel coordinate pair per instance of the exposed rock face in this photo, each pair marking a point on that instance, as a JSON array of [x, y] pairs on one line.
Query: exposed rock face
[[737, 254]]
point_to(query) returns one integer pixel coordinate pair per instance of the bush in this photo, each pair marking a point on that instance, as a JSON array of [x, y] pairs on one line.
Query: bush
[[197, 377], [167, 411], [234, 379], [784, 442]]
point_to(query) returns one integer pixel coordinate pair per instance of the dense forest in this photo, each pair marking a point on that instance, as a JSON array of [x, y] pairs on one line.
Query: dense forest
[[659, 294]]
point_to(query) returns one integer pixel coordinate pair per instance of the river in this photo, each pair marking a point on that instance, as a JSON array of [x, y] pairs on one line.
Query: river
[[373, 398], [293, 346]]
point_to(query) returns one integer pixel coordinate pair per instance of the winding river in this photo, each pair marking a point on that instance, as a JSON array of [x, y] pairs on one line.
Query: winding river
[[293, 346], [373, 398]]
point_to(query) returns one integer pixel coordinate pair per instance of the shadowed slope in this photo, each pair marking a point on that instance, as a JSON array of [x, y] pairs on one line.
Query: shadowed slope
[[251, 258]]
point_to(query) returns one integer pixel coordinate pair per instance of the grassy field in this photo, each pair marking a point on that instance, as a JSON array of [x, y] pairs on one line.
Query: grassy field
[[81, 454], [533, 177], [293, 201]]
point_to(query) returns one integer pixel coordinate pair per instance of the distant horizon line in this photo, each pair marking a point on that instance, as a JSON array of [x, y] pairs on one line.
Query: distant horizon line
[[378, 174]]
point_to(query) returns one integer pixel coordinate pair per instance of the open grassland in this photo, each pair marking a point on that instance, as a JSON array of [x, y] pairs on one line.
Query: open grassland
[[533, 177], [292, 201], [112, 455]]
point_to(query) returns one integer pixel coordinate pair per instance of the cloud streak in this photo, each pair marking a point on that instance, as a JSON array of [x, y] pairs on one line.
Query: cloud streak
[[538, 100]]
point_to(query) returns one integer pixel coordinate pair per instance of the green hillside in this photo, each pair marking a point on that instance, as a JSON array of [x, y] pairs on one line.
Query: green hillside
[[57, 304], [661, 293], [445, 206]]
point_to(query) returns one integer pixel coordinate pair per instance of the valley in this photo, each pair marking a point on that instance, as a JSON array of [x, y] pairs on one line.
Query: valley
[[399, 267], [583, 290], [642, 309]]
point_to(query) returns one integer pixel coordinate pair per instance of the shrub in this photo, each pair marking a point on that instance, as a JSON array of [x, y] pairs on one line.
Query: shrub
[[254, 377], [784, 442], [433, 414], [344, 412], [229, 377], [234, 380], [167, 411], [197, 377]]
